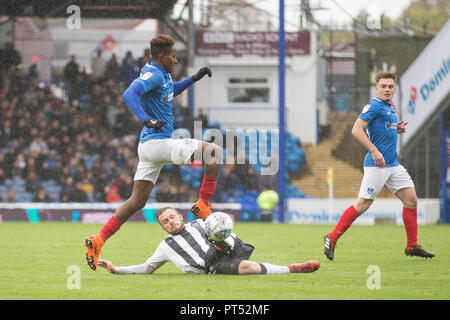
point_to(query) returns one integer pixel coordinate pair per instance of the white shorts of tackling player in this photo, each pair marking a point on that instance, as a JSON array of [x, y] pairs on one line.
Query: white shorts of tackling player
[[394, 178], [154, 154]]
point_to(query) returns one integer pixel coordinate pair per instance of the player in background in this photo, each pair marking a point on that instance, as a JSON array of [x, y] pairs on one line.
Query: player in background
[[188, 247], [150, 97], [381, 167]]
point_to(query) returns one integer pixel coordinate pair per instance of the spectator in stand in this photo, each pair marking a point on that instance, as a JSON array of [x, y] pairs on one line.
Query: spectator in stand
[[226, 183], [71, 70], [10, 196], [163, 192], [46, 173], [183, 193], [124, 184], [32, 182], [201, 116], [9, 57], [100, 182], [98, 65], [80, 87], [33, 69], [145, 58], [188, 120], [129, 69], [67, 190], [79, 195], [42, 196], [177, 118], [39, 145], [113, 70], [2, 171], [252, 180], [97, 108], [88, 186], [112, 195]]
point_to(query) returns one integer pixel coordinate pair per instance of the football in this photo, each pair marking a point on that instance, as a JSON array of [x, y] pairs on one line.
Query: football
[[218, 226]]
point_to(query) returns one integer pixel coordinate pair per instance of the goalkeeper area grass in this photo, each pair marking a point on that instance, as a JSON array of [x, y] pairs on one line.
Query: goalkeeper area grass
[[46, 261]]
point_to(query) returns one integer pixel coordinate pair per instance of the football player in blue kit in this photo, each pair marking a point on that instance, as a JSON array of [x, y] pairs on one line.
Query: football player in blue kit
[[381, 167], [150, 97]]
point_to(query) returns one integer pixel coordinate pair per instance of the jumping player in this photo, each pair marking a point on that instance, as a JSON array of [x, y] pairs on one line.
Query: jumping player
[[381, 167], [150, 97]]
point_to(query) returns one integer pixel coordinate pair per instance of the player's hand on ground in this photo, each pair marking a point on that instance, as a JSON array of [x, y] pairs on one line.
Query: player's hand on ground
[[155, 124], [107, 265], [201, 73], [378, 159], [401, 126]]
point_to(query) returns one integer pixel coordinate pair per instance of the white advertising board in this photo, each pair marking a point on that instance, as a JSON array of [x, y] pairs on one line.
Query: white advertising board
[[426, 83], [317, 211]]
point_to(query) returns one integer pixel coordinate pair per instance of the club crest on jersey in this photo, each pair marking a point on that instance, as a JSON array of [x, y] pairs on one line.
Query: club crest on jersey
[[390, 125], [366, 108], [370, 190]]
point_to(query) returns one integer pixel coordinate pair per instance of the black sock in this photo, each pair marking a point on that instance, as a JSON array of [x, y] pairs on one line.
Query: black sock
[[263, 268]]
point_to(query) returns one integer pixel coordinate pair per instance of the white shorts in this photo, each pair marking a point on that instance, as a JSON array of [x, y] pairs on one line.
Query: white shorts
[[155, 153], [394, 178]]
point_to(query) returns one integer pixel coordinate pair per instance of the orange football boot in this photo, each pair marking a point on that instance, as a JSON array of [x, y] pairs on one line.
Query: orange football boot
[[201, 209], [94, 247]]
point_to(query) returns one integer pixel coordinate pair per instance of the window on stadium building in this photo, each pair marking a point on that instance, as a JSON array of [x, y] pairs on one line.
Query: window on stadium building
[[248, 90]]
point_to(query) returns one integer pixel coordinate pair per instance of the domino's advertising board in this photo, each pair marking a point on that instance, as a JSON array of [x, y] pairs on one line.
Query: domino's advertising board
[[426, 83]]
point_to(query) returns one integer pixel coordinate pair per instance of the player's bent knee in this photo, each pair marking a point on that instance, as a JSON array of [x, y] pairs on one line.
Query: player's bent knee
[[212, 154], [138, 202]]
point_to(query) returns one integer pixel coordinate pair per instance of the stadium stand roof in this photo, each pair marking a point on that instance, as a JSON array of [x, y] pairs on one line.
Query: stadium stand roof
[[145, 9]]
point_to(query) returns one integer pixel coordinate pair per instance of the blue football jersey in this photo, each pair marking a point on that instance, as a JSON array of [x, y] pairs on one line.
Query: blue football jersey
[[382, 131], [157, 100]]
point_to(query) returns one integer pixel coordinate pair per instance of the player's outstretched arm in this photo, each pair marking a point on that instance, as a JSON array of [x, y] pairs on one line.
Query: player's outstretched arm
[[201, 73], [180, 86], [137, 269], [107, 265]]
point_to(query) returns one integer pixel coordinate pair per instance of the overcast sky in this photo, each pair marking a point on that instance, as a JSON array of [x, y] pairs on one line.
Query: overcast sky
[[331, 13]]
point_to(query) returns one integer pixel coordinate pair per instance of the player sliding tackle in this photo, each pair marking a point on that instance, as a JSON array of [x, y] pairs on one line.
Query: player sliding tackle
[[381, 167], [150, 97], [190, 249]]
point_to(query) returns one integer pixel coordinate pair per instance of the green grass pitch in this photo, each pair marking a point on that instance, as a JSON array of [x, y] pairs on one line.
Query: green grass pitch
[[39, 261]]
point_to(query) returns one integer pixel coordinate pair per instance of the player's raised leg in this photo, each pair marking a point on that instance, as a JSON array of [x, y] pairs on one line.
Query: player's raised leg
[[409, 199], [211, 155], [137, 200]]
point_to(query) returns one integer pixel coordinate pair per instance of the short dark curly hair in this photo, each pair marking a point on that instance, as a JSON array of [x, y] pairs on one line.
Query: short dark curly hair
[[161, 43]]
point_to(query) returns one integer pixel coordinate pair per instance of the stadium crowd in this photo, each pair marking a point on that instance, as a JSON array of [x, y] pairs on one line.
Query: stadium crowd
[[82, 147]]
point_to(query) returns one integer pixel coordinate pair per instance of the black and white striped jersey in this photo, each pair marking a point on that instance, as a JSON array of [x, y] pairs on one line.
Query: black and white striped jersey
[[187, 250]]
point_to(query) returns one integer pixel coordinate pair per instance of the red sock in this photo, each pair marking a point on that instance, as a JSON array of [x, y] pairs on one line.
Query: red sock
[[111, 227], [410, 222], [344, 222], [207, 189]]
